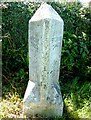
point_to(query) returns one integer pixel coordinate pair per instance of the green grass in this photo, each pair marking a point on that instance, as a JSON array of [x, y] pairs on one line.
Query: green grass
[[77, 99], [76, 96], [11, 107]]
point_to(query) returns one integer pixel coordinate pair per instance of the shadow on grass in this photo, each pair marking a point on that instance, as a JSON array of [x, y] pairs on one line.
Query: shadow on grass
[[76, 96]]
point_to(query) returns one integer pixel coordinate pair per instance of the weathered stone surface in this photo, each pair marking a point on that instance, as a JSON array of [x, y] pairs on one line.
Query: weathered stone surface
[[43, 96]]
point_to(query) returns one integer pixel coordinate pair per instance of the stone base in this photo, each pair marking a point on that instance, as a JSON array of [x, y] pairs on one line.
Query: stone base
[[42, 110]]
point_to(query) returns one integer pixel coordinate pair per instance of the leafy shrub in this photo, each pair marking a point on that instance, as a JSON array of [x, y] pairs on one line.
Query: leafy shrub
[[76, 52], [15, 17]]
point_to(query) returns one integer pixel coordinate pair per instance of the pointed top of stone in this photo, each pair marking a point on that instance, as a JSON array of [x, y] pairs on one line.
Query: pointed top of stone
[[45, 11]]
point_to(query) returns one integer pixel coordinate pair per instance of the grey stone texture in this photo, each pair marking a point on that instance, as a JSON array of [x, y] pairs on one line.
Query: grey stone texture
[[43, 95]]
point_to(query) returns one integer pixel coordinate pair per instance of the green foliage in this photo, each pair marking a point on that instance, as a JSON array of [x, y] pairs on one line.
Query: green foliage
[[15, 18], [76, 52]]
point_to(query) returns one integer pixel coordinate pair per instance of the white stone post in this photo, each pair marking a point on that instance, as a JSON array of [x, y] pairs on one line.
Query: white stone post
[[43, 96]]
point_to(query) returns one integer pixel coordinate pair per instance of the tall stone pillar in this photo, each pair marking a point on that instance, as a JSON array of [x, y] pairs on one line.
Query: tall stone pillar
[[43, 96]]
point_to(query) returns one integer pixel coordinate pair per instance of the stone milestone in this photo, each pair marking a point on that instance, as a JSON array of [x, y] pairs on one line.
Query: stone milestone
[[43, 95]]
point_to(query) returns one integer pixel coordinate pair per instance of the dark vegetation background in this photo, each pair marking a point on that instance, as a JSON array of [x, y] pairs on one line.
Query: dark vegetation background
[[75, 70]]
